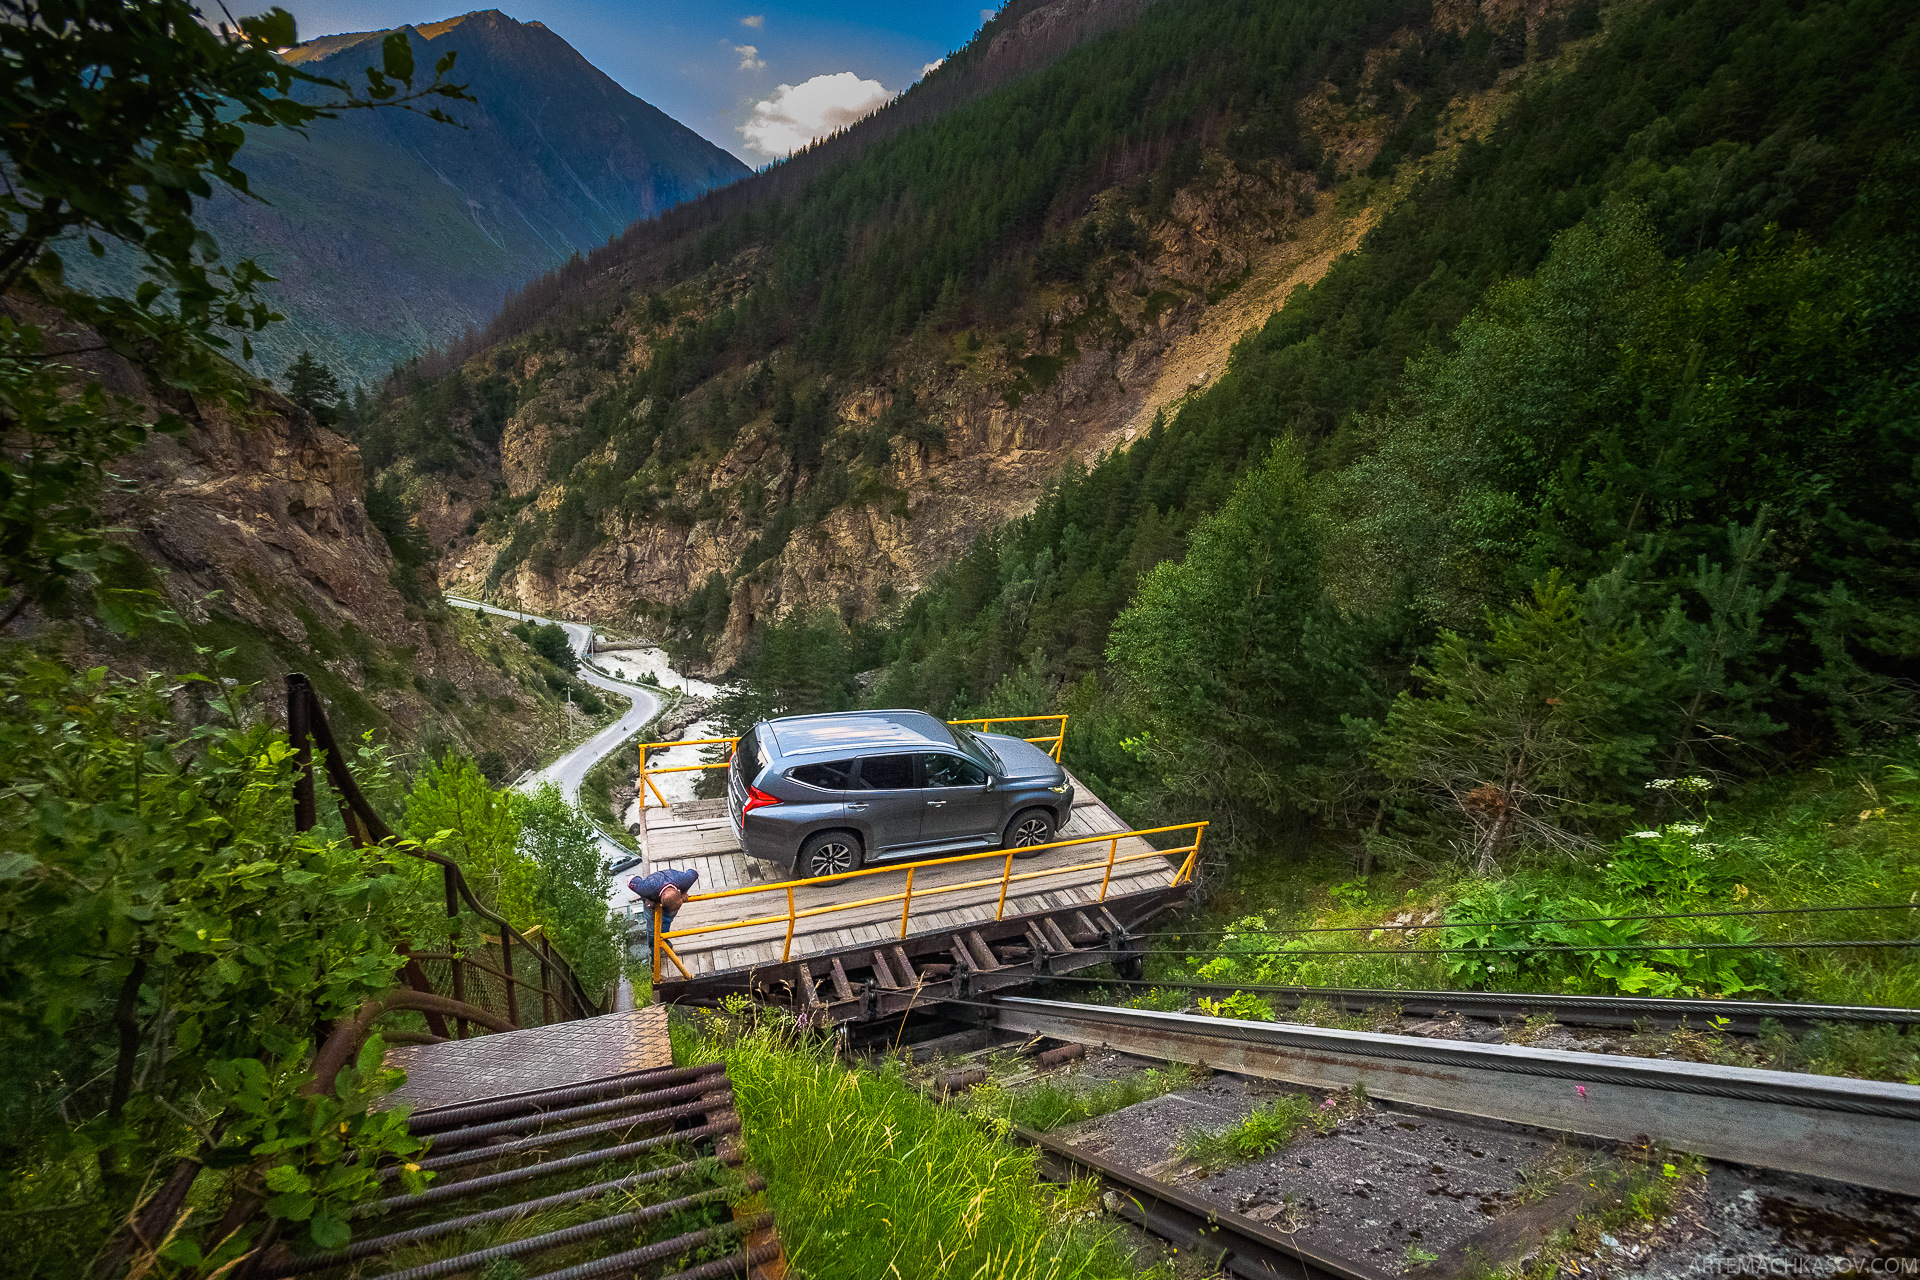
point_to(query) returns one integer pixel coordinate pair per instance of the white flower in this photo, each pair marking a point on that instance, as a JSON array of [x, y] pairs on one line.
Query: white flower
[[1686, 828], [1644, 835]]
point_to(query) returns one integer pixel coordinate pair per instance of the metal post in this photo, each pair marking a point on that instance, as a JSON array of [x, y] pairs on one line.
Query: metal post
[[907, 905], [1113, 847], [456, 964], [656, 942], [1006, 875], [546, 982], [787, 950], [506, 967]]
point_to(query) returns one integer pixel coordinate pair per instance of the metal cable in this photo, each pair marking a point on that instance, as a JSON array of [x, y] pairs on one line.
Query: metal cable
[[1488, 924], [612, 1106], [1620, 946], [561, 1238], [567, 1137], [488, 1182], [616, 1263]]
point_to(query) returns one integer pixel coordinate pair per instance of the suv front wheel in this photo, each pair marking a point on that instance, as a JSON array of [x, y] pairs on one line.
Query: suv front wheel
[[828, 853], [1029, 827]]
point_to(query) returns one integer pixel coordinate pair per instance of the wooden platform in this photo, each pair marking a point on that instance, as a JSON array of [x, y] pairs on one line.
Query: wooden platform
[[696, 835]]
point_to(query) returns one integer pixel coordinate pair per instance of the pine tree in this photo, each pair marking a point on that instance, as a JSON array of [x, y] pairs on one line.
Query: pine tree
[[312, 386]]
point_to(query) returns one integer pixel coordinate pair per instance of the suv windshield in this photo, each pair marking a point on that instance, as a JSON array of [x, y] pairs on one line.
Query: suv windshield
[[978, 750]]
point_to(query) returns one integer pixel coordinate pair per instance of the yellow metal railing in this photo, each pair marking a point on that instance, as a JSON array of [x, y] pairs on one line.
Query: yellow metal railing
[[1052, 742], [662, 948], [646, 774]]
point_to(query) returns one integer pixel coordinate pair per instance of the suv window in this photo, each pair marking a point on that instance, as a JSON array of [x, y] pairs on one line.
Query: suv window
[[836, 776], [746, 757], [886, 773], [942, 770]]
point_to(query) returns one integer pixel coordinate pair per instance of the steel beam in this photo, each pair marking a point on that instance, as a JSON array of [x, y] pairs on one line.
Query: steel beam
[[1864, 1132]]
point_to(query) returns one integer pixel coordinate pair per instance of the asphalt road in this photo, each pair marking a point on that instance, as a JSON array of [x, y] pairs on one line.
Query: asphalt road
[[570, 769]]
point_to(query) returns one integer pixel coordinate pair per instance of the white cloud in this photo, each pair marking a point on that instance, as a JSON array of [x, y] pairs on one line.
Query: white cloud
[[750, 59], [986, 15], [754, 20], [931, 67], [799, 113]]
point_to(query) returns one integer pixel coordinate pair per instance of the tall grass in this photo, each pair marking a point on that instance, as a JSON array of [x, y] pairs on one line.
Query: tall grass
[[871, 1181]]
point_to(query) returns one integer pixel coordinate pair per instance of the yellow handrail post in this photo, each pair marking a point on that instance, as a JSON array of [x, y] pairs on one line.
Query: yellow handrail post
[[1113, 847], [1001, 911], [907, 904], [787, 950], [656, 940]]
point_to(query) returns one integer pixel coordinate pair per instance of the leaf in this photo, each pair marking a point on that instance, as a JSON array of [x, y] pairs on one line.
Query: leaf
[[329, 1231], [396, 57], [275, 28]]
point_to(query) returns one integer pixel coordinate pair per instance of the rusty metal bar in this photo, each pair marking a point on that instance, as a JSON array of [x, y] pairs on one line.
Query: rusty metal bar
[[439, 1119], [760, 1254], [565, 1236], [546, 1168], [506, 966], [906, 902], [633, 1259], [786, 951], [464, 1137], [508, 1213]]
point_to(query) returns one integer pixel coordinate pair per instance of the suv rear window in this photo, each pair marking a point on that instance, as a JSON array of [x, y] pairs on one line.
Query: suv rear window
[[836, 776], [746, 758]]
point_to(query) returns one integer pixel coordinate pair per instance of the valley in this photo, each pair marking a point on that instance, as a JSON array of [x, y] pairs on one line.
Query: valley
[[1448, 465]]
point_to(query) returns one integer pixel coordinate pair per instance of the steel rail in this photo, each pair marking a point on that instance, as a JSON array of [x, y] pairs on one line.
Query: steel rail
[[1743, 1016], [1230, 1241], [1865, 1132]]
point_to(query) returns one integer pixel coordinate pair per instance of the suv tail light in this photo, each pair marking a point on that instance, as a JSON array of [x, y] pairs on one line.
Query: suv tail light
[[756, 799]]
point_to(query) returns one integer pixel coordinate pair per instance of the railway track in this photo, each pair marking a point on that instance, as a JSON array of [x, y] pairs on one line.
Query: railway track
[[1740, 1017], [1861, 1136]]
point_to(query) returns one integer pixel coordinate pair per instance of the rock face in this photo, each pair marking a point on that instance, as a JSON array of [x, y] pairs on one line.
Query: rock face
[[389, 233]]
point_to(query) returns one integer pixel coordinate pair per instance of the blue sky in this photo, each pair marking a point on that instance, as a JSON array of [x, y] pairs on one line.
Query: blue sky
[[718, 67]]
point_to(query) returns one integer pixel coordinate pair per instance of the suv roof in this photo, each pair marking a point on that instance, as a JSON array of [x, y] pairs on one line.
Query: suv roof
[[841, 732]]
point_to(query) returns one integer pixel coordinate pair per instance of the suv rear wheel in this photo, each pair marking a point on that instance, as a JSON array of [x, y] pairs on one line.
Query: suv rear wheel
[[829, 853], [1029, 827]]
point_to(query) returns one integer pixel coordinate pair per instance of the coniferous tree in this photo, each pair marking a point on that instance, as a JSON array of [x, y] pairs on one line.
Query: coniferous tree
[[312, 386]]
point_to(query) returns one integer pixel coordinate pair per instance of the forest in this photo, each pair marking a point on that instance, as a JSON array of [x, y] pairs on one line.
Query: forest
[[1595, 466]]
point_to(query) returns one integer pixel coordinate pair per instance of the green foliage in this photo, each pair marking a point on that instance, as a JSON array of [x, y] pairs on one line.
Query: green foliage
[[549, 640], [167, 945], [453, 809], [1052, 1104], [1263, 1131], [842, 1149], [1241, 664], [1533, 730], [120, 116], [570, 898], [312, 386]]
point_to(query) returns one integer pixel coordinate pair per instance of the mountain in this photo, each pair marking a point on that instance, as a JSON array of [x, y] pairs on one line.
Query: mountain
[[390, 233]]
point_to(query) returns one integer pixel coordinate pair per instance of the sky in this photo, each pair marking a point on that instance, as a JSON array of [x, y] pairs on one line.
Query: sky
[[759, 80]]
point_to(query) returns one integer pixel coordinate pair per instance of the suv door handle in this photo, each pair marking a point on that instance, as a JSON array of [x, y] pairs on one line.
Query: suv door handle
[[857, 806], [935, 804]]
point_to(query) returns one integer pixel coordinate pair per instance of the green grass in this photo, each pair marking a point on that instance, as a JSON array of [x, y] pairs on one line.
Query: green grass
[[1263, 1131], [871, 1180], [1052, 1104], [1844, 834]]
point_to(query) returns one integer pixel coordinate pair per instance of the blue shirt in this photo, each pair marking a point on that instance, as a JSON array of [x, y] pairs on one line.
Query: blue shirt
[[649, 887]]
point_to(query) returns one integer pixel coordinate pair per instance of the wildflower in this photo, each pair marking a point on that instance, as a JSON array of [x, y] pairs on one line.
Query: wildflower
[[1644, 835], [1686, 828], [1581, 1090]]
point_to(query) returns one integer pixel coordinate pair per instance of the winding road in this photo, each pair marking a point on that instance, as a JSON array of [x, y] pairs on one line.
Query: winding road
[[570, 769]]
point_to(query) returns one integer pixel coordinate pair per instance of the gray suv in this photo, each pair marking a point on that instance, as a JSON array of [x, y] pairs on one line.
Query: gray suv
[[818, 795]]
